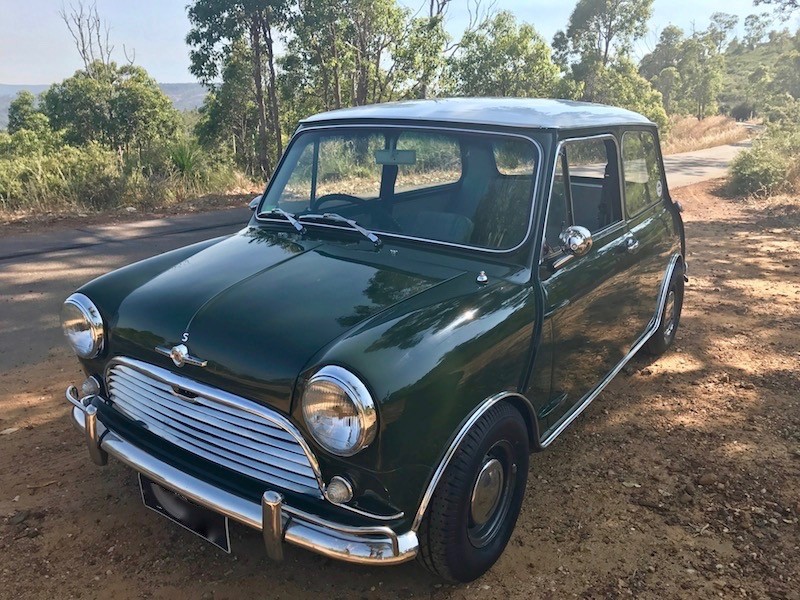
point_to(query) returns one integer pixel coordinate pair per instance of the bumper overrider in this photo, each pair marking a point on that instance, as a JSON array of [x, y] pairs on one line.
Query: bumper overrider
[[277, 521]]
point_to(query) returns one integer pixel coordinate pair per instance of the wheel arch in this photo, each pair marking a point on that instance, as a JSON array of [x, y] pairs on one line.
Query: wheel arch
[[519, 402]]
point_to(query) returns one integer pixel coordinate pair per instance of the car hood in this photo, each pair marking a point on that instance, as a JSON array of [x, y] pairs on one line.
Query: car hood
[[258, 305]]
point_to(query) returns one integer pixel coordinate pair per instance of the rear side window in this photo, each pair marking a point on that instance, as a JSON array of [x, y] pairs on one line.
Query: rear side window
[[513, 157], [643, 177], [594, 182]]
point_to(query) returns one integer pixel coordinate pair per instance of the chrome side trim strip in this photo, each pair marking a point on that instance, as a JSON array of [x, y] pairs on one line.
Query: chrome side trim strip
[[651, 329], [476, 414], [373, 545]]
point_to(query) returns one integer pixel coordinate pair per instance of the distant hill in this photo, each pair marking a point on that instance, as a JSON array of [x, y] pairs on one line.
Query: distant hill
[[184, 96]]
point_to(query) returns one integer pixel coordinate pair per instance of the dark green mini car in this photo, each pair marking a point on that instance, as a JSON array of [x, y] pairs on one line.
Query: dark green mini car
[[426, 293]]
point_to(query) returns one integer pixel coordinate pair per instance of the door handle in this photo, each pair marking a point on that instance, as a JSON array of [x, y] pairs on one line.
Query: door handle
[[631, 245]]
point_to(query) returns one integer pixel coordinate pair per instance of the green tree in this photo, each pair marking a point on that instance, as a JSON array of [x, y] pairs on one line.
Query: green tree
[[21, 111], [598, 29], [216, 26], [755, 29], [701, 69], [119, 107], [358, 52], [669, 84], [229, 116], [619, 84], [421, 55], [784, 7], [666, 53], [503, 58], [720, 28]]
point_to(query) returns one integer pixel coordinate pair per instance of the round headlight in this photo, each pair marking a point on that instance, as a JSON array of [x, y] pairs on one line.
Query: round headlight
[[339, 411], [83, 326]]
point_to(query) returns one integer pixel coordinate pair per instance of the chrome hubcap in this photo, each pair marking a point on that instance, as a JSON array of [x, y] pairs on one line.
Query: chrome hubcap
[[669, 315], [491, 494], [487, 491]]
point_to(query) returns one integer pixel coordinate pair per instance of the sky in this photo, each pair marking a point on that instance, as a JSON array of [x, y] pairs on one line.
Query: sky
[[36, 48]]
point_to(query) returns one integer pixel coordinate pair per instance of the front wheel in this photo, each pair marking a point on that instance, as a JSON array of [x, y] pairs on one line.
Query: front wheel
[[663, 337], [476, 504]]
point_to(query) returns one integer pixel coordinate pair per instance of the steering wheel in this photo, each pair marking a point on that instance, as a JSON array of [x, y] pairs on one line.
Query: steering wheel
[[336, 196], [383, 218]]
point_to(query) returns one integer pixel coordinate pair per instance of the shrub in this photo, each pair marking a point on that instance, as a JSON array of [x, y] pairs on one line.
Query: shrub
[[773, 165], [760, 171], [743, 111], [39, 174], [66, 177]]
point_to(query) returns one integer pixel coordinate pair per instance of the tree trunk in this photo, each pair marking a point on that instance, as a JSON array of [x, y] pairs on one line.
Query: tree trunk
[[275, 114], [255, 42], [326, 82], [337, 85]]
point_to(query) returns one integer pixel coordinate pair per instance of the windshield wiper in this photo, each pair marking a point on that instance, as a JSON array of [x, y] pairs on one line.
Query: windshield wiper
[[340, 219], [286, 215]]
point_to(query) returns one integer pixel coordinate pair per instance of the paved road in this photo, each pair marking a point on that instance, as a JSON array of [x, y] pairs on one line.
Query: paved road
[[689, 168], [38, 270]]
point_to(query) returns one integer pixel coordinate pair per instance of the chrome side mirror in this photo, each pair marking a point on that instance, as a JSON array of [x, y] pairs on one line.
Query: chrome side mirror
[[254, 203], [575, 241]]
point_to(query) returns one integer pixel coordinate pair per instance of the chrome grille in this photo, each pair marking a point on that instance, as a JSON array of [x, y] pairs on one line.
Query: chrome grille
[[228, 430]]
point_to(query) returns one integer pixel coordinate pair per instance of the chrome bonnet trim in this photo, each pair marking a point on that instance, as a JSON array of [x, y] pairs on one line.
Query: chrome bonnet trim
[[372, 545], [655, 322]]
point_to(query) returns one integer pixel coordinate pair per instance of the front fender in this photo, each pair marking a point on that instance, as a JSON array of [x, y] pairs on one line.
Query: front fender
[[428, 367]]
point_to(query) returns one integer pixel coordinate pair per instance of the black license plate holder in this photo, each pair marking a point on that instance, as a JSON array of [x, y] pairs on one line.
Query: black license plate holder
[[205, 523]]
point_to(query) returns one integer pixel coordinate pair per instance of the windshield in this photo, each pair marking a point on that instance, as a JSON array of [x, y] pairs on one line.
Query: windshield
[[463, 188]]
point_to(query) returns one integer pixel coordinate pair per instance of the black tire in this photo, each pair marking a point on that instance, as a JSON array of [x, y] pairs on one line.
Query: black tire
[[663, 337], [452, 545]]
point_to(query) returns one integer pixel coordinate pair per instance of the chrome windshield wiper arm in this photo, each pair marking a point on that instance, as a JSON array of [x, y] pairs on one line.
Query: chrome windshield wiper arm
[[340, 219], [286, 215]]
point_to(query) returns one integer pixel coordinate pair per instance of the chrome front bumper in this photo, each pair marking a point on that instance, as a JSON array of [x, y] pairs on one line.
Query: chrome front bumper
[[278, 522]]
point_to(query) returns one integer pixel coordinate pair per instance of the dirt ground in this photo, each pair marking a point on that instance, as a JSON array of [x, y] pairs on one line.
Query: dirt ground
[[681, 480]]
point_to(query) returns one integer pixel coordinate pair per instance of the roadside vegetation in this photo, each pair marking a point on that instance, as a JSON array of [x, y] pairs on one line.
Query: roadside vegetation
[[108, 138], [687, 133]]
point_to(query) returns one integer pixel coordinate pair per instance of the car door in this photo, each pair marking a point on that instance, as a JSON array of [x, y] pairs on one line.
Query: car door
[[649, 222], [587, 299]]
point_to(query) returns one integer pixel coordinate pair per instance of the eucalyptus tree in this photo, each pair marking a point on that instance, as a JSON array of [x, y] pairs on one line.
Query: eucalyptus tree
[[216, 26], [503, 58], [784, 7], [599, 29], [228, 116]]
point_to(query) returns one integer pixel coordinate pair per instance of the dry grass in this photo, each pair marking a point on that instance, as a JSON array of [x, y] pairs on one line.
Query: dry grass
[[689, 133]]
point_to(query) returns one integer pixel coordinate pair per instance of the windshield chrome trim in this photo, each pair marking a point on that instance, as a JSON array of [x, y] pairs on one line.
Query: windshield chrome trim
[[305, 128]]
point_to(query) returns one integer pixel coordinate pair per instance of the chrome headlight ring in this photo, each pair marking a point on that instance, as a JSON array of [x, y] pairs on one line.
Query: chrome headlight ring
[[339, 411], [83, 326]]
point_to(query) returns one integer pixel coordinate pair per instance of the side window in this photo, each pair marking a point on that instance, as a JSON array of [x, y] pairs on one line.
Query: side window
[[437, 161], [513, 157], [557, 213], [643, 186], [594, 182]]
